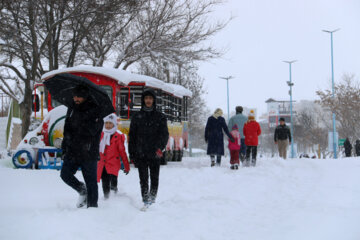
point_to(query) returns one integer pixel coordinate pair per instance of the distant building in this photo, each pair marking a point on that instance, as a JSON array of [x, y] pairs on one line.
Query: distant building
[[277, 109]]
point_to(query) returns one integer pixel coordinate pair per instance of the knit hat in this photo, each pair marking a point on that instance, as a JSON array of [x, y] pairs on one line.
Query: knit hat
[[218, 113], [111, 118], [81, 91], [235, 127], [108, 132], [251, 115], [282, 119]]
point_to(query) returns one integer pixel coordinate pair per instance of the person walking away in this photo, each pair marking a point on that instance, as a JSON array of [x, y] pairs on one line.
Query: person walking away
[[239, 119], [234, 148], [348, 147], [357, 147], [148, 136], [252, 132], [112, 154], [80, 146], [282, 137], [214, 136]]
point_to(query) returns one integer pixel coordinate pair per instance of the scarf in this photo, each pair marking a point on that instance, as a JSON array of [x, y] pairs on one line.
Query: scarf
[[108, 133]]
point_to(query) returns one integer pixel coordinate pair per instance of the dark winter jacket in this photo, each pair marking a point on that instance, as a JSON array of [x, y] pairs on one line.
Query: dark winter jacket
[[348, 147], [148, 131], [357, 147], [82, 132], [214, 135], [282, 132]]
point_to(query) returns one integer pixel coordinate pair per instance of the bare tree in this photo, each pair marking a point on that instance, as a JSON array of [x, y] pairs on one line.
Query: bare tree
[[170, 30], [346, 106]]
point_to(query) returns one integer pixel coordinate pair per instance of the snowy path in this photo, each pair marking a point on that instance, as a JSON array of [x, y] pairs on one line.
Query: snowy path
[[296, 199]]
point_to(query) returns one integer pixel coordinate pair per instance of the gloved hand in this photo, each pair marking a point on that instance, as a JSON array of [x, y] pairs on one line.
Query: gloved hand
[[232, 139], [159, 153], [126, 172]]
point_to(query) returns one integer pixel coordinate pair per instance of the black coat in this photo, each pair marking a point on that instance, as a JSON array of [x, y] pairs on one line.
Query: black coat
[[282, 132], [148, 132], [348, 147], [214, 135], [82, 132], [357, 147]]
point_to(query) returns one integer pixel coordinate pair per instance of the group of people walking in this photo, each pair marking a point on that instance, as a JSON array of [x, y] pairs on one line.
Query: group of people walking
[[348, 147], [95, 146], [243, 133]]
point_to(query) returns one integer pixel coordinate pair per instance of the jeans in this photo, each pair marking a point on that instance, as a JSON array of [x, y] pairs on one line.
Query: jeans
[[144, 165], [89, 171]]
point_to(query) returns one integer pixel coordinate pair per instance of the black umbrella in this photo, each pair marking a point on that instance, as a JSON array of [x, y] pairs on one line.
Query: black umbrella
[[61, 89]]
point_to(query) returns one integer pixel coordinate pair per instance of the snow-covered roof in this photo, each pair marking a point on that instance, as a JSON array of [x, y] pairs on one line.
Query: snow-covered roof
[[124, 78]]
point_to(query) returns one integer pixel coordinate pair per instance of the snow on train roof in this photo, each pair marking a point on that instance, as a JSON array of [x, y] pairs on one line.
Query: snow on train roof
[[125, 78]]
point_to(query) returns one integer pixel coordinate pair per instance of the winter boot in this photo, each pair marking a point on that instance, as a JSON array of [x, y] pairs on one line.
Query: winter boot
[[247, 163], [236, 166], [82, 200], [152, 199], [253, 162], [106, 195], [115, 189], [212, 163], [232, 167]]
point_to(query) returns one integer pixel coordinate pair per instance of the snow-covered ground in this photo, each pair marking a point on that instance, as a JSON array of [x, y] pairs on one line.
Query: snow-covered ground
[[298, 199]]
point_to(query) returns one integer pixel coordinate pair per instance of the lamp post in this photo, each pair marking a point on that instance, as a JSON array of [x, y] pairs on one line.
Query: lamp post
[[290, 84], [333, 90], [227, 86]]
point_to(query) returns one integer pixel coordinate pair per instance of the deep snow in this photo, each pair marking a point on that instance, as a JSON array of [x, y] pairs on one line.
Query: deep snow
[[292, 199]]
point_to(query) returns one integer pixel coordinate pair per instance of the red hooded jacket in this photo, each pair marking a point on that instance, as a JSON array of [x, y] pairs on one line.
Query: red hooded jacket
[[251, 132], [111, 156]]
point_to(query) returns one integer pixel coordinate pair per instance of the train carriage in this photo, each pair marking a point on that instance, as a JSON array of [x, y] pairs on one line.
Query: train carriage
[[41, 147]]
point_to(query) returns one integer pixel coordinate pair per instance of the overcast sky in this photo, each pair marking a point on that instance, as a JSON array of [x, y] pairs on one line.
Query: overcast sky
[[264, 33]]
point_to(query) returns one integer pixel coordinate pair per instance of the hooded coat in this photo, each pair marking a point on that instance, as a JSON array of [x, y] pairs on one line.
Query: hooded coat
[[348, 147], [252, 131], [112, 157], [148, 131], [214, 135]]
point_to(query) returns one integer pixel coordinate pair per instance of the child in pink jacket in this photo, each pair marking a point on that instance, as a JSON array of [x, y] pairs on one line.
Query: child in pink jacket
[[234, 148]]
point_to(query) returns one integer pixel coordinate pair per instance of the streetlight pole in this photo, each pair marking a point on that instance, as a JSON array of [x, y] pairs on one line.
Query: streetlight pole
[[333, 90], [290, 84], [227, 86]]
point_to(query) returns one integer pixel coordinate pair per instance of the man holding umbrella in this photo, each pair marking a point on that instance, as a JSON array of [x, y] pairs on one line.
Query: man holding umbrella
[[87, 105]]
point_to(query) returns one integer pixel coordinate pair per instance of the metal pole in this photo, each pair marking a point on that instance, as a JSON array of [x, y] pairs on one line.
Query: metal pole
[[291, 117], [228, 111], [333, 96], [333, 91], [290, 84], [227, 87]]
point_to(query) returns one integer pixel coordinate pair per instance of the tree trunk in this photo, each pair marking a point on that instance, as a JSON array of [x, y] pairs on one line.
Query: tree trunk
[[25, 112]]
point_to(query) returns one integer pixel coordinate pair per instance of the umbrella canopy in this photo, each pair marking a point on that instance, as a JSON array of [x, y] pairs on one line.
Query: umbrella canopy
[[61, 88]]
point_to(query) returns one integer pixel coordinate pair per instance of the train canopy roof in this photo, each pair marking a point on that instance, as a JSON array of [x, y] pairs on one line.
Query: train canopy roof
[[125, 78]]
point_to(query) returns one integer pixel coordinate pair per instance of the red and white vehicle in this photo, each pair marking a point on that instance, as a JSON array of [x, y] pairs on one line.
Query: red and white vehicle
[[41, 146]]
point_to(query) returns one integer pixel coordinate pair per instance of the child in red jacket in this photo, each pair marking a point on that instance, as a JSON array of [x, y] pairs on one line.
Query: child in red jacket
[[112, 153], [234, 148], [251, 132]]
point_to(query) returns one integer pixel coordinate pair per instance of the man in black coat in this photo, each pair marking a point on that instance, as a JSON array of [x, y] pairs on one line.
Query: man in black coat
[[281, 137], [348, 147], [148, 136], [80, 146]]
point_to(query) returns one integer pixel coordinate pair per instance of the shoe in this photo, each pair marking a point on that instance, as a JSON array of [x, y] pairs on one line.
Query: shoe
[[232, 167], [212, 163], [106, 195], [115, 189], [236, 166], [82, 200], [152, 199]]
